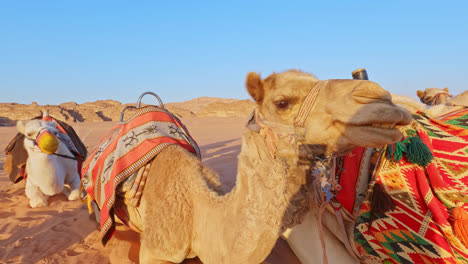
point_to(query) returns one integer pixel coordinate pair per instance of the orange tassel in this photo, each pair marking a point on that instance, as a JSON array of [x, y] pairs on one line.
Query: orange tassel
[[460, 224]]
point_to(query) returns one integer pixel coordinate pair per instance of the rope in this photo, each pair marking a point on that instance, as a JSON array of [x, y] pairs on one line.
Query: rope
[[339, 218], [322, 240], [308, 103], [437, 96]]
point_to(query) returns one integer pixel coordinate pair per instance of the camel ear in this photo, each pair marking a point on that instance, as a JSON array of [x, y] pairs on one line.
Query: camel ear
[[421, 94], [254, 86], [21, 125], [446, 89]]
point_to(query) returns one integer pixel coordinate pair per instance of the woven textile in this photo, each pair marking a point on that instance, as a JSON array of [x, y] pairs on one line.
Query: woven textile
[[354, 172], [420, 229], [123, 151]]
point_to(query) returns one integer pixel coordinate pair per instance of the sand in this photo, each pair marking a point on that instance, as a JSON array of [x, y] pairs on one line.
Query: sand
[[64, 232]]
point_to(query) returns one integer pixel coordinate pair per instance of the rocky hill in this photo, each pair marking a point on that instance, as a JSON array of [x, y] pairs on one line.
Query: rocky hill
[[109, 110], [216, 107]]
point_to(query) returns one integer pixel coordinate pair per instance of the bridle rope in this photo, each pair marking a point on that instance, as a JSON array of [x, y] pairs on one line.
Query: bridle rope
[[437, 96], [308, 103]]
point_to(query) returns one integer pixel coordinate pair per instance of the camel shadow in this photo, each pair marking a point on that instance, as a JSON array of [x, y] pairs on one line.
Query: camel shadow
[[205, 149], [223, 160]]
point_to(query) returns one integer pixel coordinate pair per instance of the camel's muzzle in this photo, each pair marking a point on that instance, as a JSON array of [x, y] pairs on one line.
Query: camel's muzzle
[[47, 142]]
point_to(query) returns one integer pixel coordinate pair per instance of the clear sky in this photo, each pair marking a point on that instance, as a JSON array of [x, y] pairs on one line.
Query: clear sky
[[60, 51]]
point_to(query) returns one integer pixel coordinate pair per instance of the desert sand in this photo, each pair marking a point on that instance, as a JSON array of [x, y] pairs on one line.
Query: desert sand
[[64, 232]]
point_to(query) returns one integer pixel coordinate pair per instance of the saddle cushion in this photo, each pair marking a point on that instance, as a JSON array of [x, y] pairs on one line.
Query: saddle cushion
[[124, 150]]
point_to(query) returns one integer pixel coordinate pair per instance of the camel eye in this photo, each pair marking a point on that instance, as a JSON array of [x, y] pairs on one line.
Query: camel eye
[[428, 98], [29, 134], [283, 104]]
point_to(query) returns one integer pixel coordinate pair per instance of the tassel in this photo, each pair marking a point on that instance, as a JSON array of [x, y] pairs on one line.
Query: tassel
[[89, 201], [460, 224], [395, 151], [381, 201], [418, 153]]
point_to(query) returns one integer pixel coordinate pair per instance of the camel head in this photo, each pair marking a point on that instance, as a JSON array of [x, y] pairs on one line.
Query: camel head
[[39, 135], [434, 96], [343, 114]]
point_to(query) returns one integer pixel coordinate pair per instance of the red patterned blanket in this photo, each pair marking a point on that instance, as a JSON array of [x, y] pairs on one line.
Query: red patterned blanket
[[123, 151], [421, 228]]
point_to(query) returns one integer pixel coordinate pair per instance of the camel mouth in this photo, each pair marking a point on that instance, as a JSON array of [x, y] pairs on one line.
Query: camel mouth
[[378, 128], [379, 124], [374, 135]]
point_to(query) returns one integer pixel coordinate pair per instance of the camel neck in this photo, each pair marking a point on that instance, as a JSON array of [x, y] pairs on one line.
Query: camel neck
[[260, 199], [245, 223]]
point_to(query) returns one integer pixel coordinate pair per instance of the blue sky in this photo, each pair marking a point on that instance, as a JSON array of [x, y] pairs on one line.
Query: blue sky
[[60, 51]]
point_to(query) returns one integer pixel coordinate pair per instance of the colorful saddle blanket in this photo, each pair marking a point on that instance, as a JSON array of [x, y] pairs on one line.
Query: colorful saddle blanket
[[124, 150], [420, 229]]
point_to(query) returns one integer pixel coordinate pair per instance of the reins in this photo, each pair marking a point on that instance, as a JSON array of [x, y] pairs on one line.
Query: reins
[[68, 157]]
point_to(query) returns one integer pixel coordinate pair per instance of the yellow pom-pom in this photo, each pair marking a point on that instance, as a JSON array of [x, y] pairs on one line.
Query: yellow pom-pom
[[47, 143]]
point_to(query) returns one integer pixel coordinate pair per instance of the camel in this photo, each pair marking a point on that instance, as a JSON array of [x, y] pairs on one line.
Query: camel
[[48, 174], [184, 210], [436, 96], [436, 110]]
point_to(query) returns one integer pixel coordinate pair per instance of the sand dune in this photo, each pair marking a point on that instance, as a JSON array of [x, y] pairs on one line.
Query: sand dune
[[64, 232]]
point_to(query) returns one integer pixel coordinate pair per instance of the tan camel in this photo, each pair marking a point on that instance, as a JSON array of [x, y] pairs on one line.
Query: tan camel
[[436, 111], [436, 96], [184, 211]]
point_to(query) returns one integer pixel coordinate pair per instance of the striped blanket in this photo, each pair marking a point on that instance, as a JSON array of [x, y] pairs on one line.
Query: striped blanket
[[114, 164]]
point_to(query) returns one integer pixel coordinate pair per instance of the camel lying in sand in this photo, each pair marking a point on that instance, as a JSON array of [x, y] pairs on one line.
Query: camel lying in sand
[[184, 211], [436, 110], [48, 174], [436, 96]]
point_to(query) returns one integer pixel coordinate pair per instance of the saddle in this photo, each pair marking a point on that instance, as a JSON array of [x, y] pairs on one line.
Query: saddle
[[116, 166]]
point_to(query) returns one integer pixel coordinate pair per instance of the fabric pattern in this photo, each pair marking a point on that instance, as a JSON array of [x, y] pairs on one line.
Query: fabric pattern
[[123, 151], [354, 172], [420, 229]]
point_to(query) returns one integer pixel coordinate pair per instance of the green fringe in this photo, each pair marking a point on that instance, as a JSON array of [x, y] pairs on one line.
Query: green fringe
[[395, 151], [417, 152]]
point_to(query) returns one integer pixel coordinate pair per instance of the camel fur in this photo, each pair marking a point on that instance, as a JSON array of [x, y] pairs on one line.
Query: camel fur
[[184, 210], [47, 174]]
